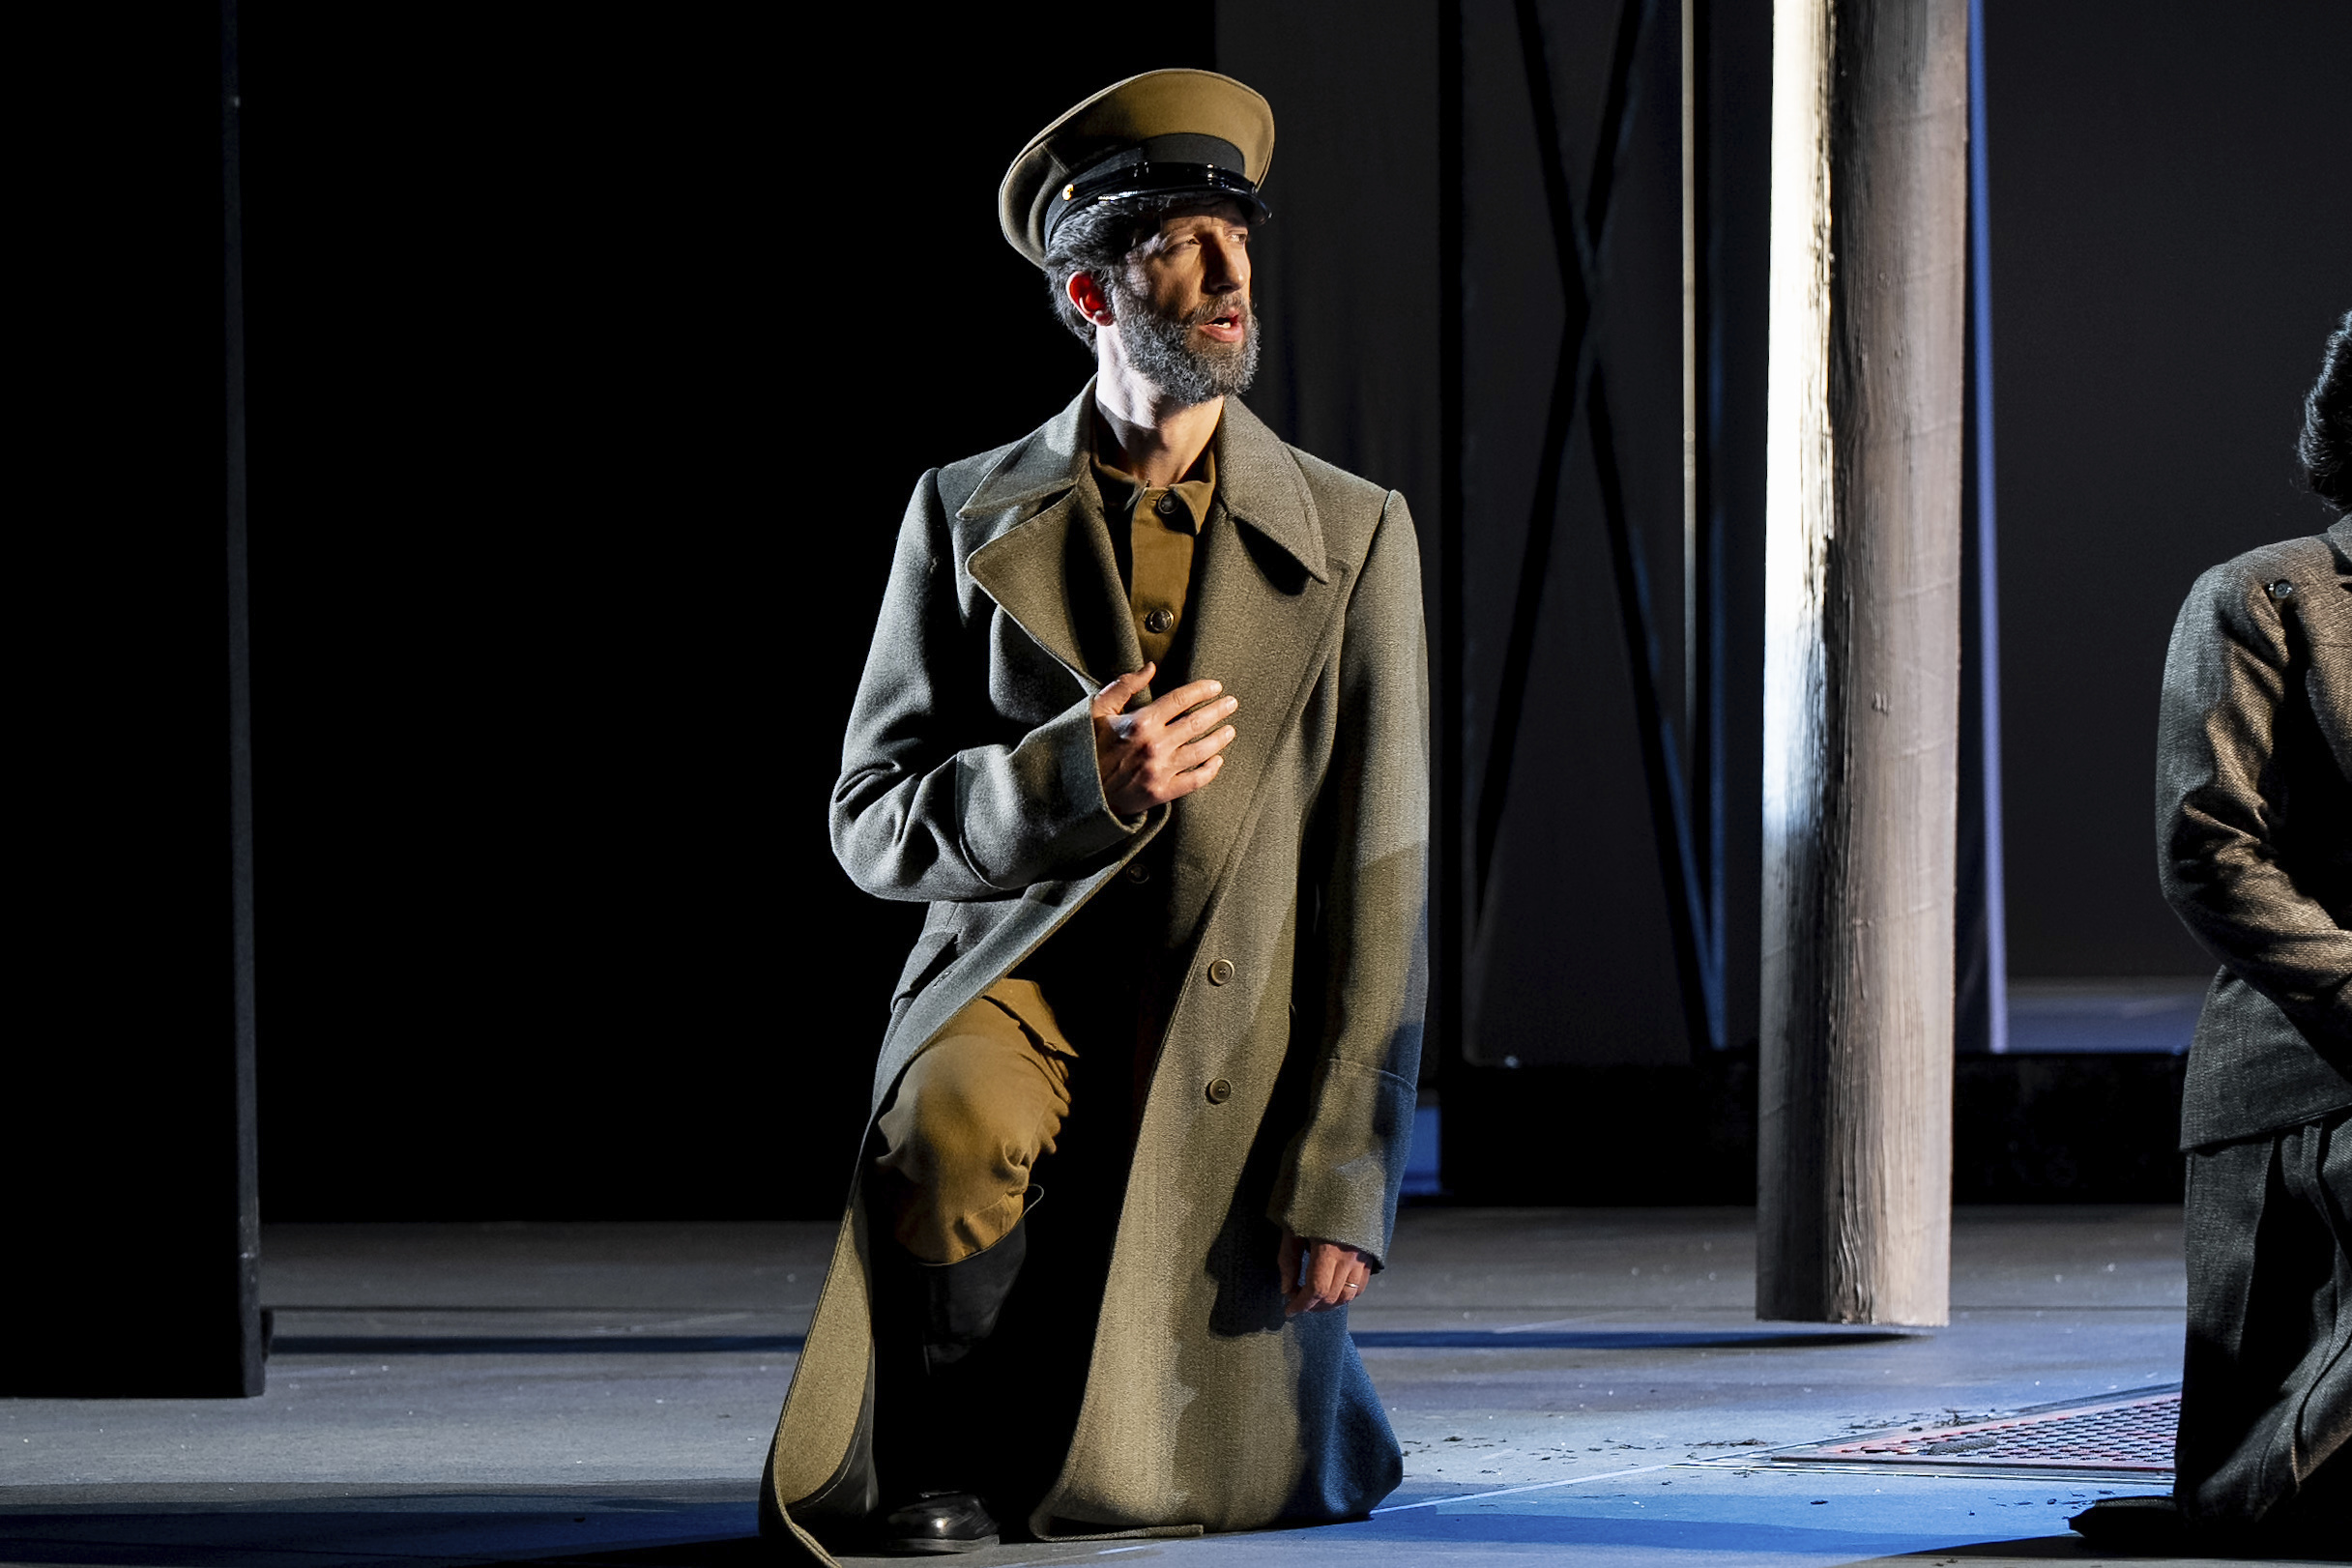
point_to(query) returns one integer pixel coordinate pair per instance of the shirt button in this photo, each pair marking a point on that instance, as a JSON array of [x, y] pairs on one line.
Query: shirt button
[[1219, 1091], [1166, 504], [1220, 972], [1158, 621]]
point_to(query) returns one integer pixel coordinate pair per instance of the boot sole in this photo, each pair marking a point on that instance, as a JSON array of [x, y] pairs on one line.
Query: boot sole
[[917, 1548]]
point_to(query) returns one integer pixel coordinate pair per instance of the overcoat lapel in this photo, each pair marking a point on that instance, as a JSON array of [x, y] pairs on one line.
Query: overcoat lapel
[[1046, 561], [1265, 602], [1051, 567]]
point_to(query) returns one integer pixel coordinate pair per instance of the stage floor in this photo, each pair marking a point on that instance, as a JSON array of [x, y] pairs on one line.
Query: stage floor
[[1571, 1386]]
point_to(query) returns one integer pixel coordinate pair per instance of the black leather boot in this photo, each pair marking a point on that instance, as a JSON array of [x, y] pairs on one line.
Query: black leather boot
[[933, 1318], [2154, 1526], [2132, 1524], [962, 1300], [938, 1522]]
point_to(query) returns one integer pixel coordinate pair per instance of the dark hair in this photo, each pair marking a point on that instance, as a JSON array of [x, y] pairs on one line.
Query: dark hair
[[1098, 240], [2326, 446]]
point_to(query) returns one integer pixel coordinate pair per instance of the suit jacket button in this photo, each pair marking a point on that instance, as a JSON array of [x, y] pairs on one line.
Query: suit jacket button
[[1136, 871], [1220, 972], [1158, 621], [1220, 1089]]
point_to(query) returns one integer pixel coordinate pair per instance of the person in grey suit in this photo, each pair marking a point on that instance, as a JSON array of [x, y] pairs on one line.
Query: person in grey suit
[[2255, 850]]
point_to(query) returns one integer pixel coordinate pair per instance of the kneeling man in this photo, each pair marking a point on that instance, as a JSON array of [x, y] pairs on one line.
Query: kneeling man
[[1145, 725], [2255, 819]]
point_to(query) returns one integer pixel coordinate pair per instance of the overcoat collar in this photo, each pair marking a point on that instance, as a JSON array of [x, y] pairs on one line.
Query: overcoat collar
[[1260, 483], [1256, 478], [1050, 563], [1049, 462]]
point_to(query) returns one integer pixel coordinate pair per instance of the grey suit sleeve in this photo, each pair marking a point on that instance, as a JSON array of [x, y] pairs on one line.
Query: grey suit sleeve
[[2220, 814], [1340, 1175], [930, 804]]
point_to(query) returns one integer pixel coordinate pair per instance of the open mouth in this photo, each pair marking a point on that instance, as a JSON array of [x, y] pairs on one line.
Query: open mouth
[[1227, 326]]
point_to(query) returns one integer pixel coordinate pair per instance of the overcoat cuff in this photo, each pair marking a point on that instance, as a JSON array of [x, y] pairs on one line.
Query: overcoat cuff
[[1341, 1180], [1067, 821]]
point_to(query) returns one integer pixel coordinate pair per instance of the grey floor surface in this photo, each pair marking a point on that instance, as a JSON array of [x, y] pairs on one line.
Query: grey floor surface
[[467, 1394]]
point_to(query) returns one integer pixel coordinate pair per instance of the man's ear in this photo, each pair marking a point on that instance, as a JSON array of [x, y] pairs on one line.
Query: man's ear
[[1090, 300]]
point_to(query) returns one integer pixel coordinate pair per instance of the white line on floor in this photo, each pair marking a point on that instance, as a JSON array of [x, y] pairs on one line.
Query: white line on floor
[[1540, 1486], [1718, 1462]]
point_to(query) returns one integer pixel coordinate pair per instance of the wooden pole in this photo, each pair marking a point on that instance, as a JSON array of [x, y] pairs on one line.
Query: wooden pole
[[1862, 658]]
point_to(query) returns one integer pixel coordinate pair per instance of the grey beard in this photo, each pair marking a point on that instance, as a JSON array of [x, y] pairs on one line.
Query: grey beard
[[1160, 349]]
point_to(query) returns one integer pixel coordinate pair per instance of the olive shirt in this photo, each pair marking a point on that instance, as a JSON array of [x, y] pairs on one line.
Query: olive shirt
[[1153, 530]]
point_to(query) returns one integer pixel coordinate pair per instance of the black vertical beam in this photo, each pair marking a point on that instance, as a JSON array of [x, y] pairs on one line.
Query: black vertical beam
[[1449, 947], [1713, 596], [126, 1103], [1980, 959], [1735, 100], [1971, 1017], [250, 1348]]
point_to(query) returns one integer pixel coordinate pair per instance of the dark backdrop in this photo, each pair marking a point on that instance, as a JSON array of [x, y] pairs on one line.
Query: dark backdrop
[[2169, 249], [592, 360]]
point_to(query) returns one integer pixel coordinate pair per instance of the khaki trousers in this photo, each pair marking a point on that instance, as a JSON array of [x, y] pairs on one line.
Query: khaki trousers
[[969, 1119]]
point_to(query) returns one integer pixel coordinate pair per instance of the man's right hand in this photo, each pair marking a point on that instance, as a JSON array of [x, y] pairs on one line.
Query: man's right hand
[[1164, 750]]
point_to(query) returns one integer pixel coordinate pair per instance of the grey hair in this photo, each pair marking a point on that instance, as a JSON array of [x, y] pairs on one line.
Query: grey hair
[[1097, 240]]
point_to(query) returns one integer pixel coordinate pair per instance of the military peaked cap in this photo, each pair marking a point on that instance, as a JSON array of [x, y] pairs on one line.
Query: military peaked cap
[[1162, 133]]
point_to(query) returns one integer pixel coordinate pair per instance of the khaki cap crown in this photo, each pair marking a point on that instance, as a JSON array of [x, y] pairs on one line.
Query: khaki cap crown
[[1179, 130]]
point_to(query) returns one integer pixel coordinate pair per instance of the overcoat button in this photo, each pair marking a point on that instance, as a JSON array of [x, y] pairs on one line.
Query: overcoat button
[[2282, 589], [1158, 621], [1220, 972], [1220, 1091], [1166, 504], [1139, 872]]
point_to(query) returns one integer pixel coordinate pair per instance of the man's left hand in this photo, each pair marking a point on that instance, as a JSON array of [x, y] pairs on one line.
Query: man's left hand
[[1319, 1275]]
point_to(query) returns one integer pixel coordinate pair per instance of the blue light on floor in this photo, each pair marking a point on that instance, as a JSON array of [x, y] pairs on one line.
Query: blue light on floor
[[1700, 1514]]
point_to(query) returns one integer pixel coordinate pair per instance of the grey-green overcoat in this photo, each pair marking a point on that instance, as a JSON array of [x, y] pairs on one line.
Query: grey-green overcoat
[[970, 781]]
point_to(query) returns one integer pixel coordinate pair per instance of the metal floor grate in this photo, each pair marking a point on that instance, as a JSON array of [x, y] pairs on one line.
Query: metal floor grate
[[2131, 1435]]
